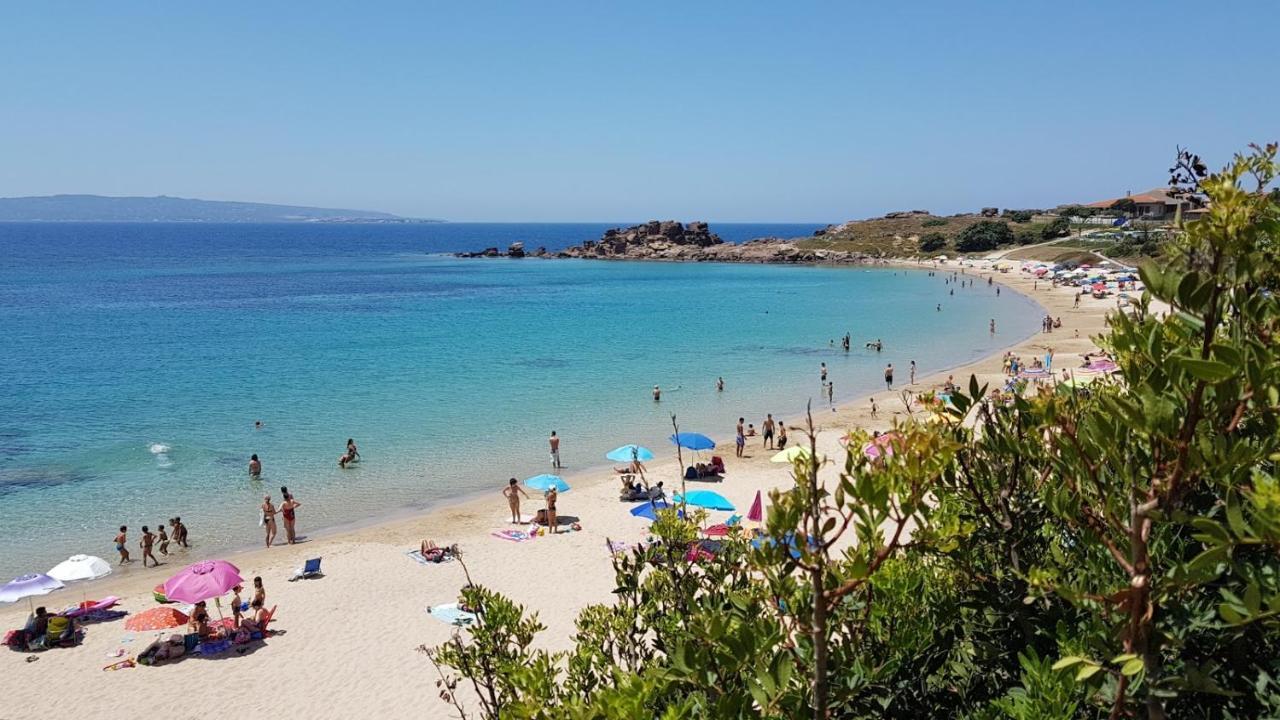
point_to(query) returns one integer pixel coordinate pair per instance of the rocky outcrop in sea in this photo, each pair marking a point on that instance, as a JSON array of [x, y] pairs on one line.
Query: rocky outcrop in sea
[[679, 242]]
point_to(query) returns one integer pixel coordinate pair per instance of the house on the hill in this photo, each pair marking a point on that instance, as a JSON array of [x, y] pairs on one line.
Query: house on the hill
[[1157, 204]]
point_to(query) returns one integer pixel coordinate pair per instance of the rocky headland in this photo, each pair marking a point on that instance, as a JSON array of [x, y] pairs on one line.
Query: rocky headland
[[673, 241]]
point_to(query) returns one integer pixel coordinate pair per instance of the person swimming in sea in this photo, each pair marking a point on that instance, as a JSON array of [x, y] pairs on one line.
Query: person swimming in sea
[[657, 394], [255, 466]]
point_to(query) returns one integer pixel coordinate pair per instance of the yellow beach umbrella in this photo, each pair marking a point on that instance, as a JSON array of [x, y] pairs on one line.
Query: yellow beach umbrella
[[795, 451]]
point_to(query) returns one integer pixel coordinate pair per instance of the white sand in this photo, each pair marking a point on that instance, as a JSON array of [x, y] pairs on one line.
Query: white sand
[[322, 667]]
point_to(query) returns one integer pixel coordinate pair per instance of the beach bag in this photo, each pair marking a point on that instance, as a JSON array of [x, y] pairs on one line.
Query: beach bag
[[57, 626]]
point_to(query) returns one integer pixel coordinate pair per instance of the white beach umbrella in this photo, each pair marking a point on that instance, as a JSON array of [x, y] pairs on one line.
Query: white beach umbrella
[[80, 567]]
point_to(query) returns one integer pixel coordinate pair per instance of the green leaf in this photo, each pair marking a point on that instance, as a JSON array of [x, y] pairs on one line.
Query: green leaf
[[1087, 672], [1235, 516], [1067, 662], [1132, 667], [1207, 370], [1253, 598]]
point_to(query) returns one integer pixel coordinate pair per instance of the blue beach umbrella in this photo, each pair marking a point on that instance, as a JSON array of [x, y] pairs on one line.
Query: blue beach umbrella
[[627, 453], [649, 510], [543, 483], [707, 499], [693, 441]]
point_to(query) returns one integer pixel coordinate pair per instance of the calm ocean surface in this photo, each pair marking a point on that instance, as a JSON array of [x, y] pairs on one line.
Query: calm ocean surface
[[137, 358]]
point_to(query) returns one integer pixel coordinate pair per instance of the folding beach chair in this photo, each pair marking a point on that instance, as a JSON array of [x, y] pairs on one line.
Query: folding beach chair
[[311, 569]]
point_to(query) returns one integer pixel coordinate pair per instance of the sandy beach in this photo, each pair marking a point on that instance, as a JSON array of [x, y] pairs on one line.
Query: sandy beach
[[348, 641]]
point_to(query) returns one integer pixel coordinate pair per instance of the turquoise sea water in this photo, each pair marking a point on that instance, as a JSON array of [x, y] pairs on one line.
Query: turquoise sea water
[[138, 357]]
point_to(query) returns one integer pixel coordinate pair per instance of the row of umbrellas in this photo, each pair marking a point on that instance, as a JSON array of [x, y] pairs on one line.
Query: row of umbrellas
[[196, 582]]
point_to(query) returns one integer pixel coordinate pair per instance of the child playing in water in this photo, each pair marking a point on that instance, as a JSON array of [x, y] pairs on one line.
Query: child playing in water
[[164, 539], [147, 541], [121, 539]]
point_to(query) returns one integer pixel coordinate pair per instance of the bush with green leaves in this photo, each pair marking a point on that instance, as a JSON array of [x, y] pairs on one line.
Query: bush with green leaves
[[935, 222], [1056, 228], [984, 236], [1020, 216], [932, 242], [1052, 555]]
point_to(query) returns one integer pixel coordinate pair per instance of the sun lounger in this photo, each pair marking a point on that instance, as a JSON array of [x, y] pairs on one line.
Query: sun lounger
[[451, 614], [309, 570]]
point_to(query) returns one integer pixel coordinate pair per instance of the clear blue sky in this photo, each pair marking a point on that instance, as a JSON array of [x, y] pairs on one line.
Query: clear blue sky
[[729, 111]]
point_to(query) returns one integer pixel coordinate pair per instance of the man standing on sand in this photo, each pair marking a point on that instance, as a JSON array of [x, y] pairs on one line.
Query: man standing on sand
[[740, 438], [512, 493], [767, 427], [888, 376], [255, 466], [269, 518], [555, 451], [913, 372], [874, 409]]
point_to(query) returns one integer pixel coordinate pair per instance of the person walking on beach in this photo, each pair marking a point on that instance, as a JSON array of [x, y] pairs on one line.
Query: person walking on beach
[[269, 518], [767, 427], [831, 394], [164, 539], [888, 376], [512, 493], [255, 467], [288, 510], [740, 439], [657, 394], [555, 450], [782, 436], [147, 541], [913, 372], [121, 539], [1076, 304], [874, 409], [719, 384]]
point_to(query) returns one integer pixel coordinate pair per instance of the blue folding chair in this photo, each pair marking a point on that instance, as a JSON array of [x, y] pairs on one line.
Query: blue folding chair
[[309, 570]]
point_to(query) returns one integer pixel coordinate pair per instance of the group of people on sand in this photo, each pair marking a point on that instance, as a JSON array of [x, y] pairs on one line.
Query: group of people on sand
[[244, 625], [546, 514], [1012, 364], [770, 431], [288, 512], [176, 534]]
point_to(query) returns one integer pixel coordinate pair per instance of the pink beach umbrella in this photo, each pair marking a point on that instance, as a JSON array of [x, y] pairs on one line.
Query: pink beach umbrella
[[202, 580], [756, 513]]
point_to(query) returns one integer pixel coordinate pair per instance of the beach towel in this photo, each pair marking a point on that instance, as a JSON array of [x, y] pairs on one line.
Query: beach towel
[[512, 535], [451, 615], [617, 546], [416, 556]]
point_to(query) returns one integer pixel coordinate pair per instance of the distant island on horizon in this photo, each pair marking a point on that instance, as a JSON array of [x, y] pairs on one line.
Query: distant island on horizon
[[163, 208]]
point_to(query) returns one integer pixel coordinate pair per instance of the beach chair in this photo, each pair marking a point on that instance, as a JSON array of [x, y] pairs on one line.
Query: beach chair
[[263, 629], [309, 570]]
